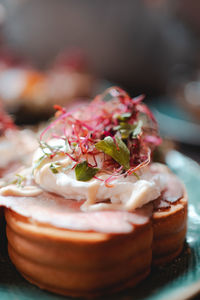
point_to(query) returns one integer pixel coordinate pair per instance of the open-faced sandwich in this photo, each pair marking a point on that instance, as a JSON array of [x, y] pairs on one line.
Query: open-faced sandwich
[[95, 213]]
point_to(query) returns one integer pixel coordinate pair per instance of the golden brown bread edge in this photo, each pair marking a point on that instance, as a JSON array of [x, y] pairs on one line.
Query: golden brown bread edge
[[88, 264], [169, 231]]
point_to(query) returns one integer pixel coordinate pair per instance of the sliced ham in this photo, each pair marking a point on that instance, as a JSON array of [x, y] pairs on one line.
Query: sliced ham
[[174, 190], [64, 213]]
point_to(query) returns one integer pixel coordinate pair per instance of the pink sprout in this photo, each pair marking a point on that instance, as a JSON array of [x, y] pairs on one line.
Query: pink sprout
[[84, 126]]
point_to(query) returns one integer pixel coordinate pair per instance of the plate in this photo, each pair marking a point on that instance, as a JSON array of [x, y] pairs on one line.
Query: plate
[[175, 122], [177, 281]]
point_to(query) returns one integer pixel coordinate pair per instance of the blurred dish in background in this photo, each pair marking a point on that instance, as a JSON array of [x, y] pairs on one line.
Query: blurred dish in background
[[133, 45], [175, 122], [189, 97], [30, 94]]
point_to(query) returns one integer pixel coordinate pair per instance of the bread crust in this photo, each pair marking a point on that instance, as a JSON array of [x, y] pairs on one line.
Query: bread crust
[[78, 263], [89, 264], [169, 231]]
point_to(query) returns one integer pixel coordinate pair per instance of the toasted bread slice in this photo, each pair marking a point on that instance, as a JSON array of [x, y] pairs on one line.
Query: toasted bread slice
[[78, 263], [169, 230]]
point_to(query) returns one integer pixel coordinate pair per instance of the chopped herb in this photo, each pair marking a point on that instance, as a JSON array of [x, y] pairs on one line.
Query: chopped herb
[[124, 117], [19, 180], [127, 129], [54, 168], [38, 162], [119, 151], [49, 150], [74, 144], [84, 172], [136, 175], [57, 167]]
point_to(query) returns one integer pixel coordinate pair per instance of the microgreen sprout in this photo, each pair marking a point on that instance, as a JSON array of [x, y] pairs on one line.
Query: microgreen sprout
[[111, 124], [19, 180]]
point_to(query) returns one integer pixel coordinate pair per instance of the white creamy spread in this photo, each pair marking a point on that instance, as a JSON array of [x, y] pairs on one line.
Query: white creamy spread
[[126, 193], [14, 190]]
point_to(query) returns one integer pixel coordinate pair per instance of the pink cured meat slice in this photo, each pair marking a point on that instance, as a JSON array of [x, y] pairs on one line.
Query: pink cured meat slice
[[174, 190], [10, 169], [64, 213], [171, 194]]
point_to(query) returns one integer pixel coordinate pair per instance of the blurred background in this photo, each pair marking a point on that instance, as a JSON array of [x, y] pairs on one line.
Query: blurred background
[[57, 51]]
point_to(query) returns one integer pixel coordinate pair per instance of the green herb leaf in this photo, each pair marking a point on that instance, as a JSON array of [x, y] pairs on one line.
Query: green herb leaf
[[19, 180], [124, 117], [54, 168], [46, 149], [119, 152], [84, 172], [49, 150], [136, 175], [38, 162], [126, 129]]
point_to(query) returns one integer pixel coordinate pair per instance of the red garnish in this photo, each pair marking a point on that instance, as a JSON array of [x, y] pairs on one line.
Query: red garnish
[[59, 108], [109, 114], [5, 122]]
